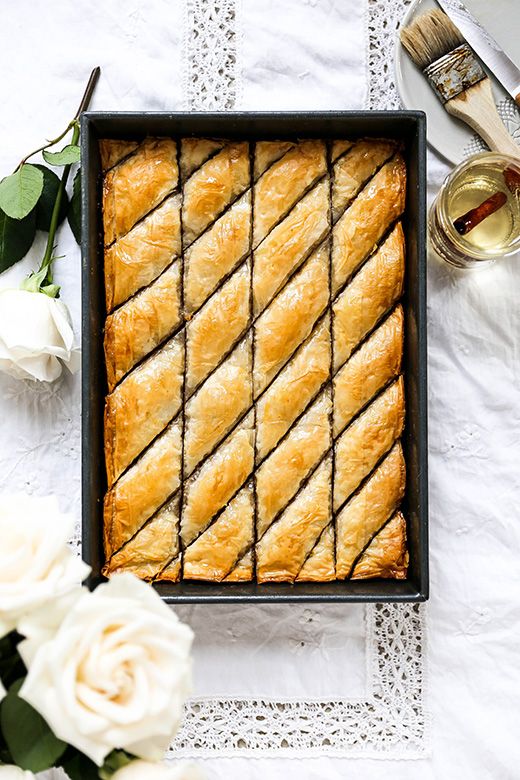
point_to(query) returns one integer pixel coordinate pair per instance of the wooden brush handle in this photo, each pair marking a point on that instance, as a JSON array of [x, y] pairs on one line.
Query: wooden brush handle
[[476, 107]]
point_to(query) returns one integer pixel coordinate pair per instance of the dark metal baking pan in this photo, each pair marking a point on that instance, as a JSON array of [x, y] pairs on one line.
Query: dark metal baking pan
[[407, 126]]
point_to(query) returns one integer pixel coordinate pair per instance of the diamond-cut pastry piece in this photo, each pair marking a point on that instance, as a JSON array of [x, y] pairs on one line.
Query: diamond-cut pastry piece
[[386, 555], [364, 223], [243, 571], [367, 511], [217, 480], [111, 151], [213, 187], [365, 441], [216, 551], [372, 292], [213, 331], [289, 320], [141, 324], [355, 168], [172, 572], [369, 369], [267, 152], [217, 253], [340, 147], [143, 489], [282, 551], [152, 547], [285, 183], [289, 243], [137, 185], [320, 566], [138, 258], [217, 405], [293, 389], [141, 406], [280, 476], [195, 152]]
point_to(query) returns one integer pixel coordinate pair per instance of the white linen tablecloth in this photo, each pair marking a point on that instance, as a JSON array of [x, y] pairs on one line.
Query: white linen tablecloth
[[304, 54]]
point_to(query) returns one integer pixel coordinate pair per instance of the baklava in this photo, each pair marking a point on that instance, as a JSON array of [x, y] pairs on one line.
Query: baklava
[[253, 345]]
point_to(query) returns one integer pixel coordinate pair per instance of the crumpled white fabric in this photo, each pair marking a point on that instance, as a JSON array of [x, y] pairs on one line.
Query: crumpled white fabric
[[36, 336]]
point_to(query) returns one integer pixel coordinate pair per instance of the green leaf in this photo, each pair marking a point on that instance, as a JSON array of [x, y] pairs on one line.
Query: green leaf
[[79, 767], [31, 742], [11, 665], [74, 215], [19, 192], [45, 205], [114, 761], [69, 155], [16, 237]]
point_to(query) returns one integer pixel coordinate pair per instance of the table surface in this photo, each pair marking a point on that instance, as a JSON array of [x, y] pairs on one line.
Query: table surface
[[300, 55]]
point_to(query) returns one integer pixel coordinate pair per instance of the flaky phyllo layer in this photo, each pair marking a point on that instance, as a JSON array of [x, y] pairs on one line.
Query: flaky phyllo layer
[[253, 344]]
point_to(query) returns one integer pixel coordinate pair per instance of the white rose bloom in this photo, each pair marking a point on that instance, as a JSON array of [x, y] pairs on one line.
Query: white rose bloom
[[11, 772], [143, 770], [36, 565], [116, 674], [36, 336]]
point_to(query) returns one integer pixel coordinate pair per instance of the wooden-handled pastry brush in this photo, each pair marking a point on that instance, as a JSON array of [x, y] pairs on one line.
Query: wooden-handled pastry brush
[[457, 77]]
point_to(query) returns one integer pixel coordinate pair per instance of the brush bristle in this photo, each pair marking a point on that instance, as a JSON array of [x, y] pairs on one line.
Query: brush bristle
[[429, 37]]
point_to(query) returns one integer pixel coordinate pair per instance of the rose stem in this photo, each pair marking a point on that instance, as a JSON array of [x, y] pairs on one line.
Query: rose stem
[[474, 217], [49, 249]]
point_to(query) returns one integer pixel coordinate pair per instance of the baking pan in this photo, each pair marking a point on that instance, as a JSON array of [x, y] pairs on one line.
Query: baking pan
[[407, 126]]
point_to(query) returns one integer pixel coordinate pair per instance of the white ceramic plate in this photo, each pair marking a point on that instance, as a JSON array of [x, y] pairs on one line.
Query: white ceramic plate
[[446, 135]]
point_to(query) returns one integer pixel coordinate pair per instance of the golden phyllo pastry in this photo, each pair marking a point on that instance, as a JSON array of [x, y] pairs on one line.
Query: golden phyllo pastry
[[112, 152], [214, 554], [141, 324], [253, 349], [137, 185], [285, 546], [289, 244], [368, 510], [290, 318], [223, 398], [217, 327], [284, 183], [386, 555], [367, 219], [213, 187], [152, 547], [141, 406], [139, 493], [141, 255]]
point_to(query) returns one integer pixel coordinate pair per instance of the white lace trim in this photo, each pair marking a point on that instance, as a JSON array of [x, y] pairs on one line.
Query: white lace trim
[[383, 18], [212, 48]]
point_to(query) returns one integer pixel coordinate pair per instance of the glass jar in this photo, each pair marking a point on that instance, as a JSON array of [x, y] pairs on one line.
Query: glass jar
[[470, 185]]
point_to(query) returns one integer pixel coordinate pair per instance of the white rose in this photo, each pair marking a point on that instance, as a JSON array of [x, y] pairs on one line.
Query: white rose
[[143, 770], [36, 336], [37, 567], [11, 772], [116, 673]]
